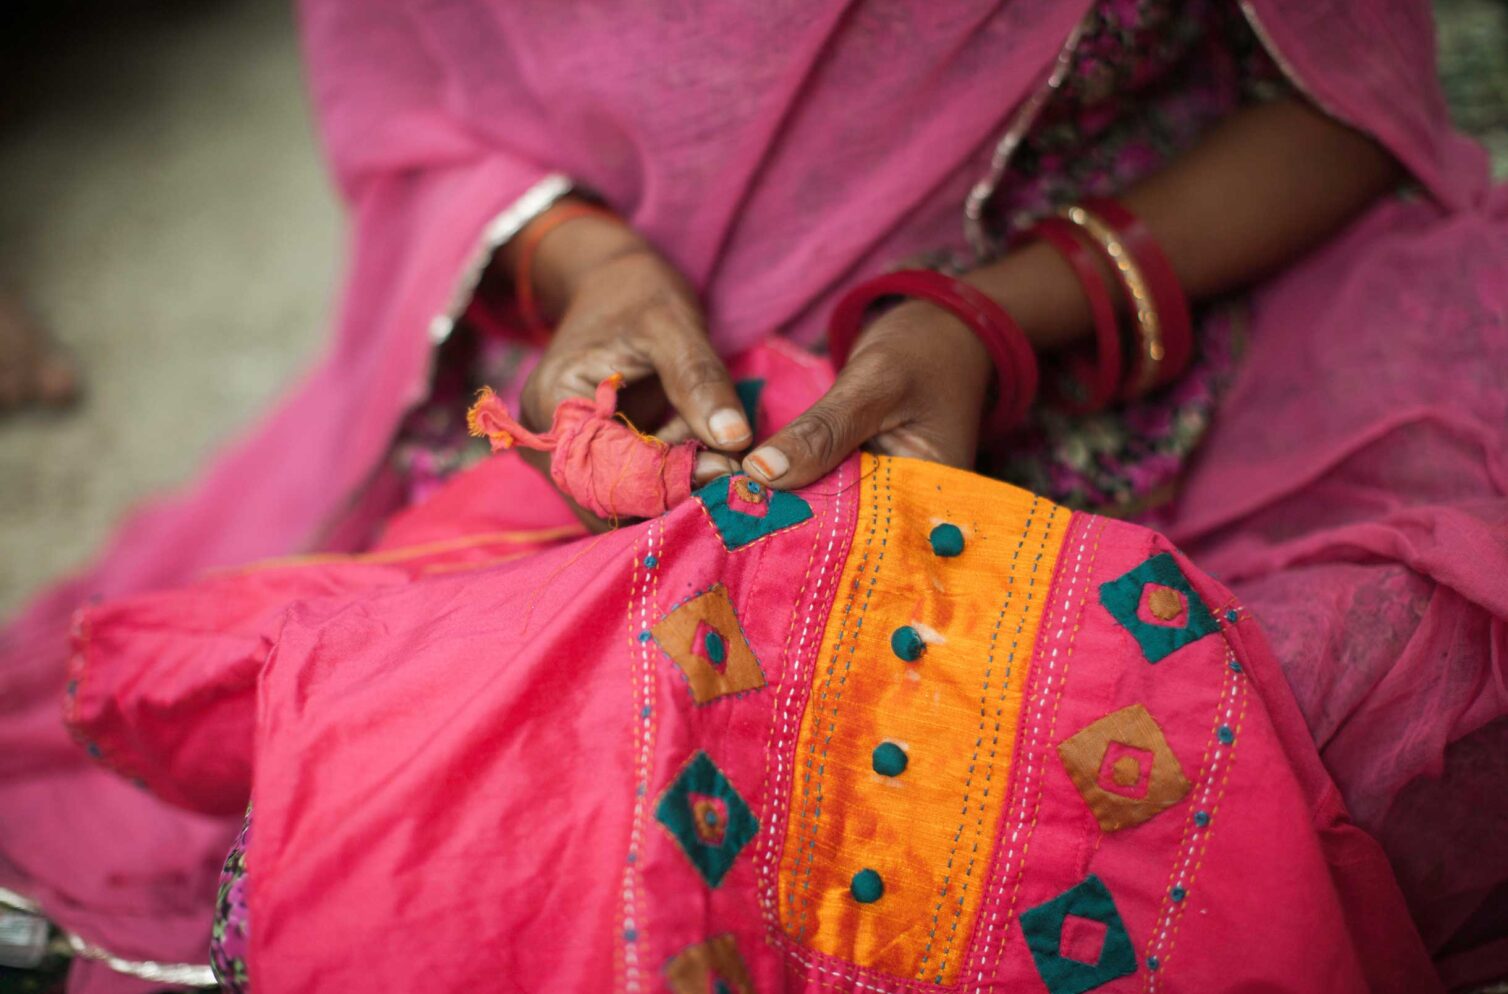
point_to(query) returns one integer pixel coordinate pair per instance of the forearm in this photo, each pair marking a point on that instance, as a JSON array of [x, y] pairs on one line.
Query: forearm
[[568, 252], [1258, 191]]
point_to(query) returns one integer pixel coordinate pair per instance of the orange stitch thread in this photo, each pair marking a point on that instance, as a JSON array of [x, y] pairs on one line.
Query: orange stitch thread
[[974, 759], [620, 952], [1064, 585], [766, 900], [523, 537], [790, 728], [801, 854], [438, 568], [843, 680], [1000, 709], [1031, 821]]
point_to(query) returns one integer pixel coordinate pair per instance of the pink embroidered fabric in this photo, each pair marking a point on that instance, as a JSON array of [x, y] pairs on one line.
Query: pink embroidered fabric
[[601, 461]]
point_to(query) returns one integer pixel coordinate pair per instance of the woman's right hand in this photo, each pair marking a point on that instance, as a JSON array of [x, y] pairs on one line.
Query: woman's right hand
[[619, 307]]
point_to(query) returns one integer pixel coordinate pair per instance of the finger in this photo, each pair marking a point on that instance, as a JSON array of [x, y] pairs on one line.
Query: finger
[[675, 431], [711, 465], [848, 415], [568, 370], [698, 384]]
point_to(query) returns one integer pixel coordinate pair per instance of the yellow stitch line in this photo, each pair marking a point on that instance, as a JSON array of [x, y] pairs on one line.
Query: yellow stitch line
[[790, 714], [1017, 643], [1051, 727], [650, 589], [769, 902], [620, 952], [1010, 589], [477, 564], [799, 827], [874, 568]]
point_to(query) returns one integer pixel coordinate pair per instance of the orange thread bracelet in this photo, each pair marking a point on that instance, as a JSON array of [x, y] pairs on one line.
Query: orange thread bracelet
[[523, 270]]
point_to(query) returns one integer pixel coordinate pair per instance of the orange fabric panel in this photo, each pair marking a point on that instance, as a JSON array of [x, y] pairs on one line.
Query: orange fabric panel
[[928, 831]]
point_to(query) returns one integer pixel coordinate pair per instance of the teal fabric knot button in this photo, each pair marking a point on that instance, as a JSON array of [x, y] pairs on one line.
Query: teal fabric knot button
[[1226, 735], [1201, 818], [906, 642], [1178, 893], [716, 648], [867, 887], [947, 541], [889, 759]]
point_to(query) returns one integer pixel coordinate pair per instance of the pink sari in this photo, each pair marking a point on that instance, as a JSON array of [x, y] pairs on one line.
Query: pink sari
[[826, 159]]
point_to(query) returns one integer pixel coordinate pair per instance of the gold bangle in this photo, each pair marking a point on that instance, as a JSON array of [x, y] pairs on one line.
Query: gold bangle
[[1148, 327]]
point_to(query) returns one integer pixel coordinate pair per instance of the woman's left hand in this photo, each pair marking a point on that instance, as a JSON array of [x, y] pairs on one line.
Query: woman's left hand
[[914, 386]]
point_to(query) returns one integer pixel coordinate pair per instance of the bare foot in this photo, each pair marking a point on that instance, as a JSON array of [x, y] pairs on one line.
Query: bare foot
[[33, 370]]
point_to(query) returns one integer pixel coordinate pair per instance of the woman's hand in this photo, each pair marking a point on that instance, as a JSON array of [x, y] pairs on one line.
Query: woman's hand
[[619, 307], [914, 386]]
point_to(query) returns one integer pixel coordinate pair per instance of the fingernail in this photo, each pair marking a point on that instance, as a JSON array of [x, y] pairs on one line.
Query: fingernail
[[728, 426], [710, 465], [770, 462]]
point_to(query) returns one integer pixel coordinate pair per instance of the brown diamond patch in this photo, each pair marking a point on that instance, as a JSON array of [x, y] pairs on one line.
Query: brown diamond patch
[[709, 966], [1141, 778], [699, 631]]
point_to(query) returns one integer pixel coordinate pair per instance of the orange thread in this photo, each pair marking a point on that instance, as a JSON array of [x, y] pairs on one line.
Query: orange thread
[[462, 567], [539, 587], [1030, 821], [525, 537], [797, 616]]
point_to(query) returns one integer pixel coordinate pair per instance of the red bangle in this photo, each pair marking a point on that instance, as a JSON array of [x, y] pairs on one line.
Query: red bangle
[[1001, 336], [1098, 381], [523, 269], [1171, 303]]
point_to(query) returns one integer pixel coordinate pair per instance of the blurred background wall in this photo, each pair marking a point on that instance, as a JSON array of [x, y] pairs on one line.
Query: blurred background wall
[[163, 211]]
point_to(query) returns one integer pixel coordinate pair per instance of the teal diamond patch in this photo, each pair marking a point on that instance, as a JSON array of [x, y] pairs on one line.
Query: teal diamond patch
[[1158, 606], [1070, 968], [749, 392], [745, 511], [703, 812]]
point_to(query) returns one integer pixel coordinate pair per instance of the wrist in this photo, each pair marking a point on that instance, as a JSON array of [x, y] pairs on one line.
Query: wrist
[[1039, 289], [946, 343], [570, 250]]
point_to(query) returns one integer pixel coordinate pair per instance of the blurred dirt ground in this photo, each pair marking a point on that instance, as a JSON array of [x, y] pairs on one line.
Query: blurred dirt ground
[[163, 209]]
